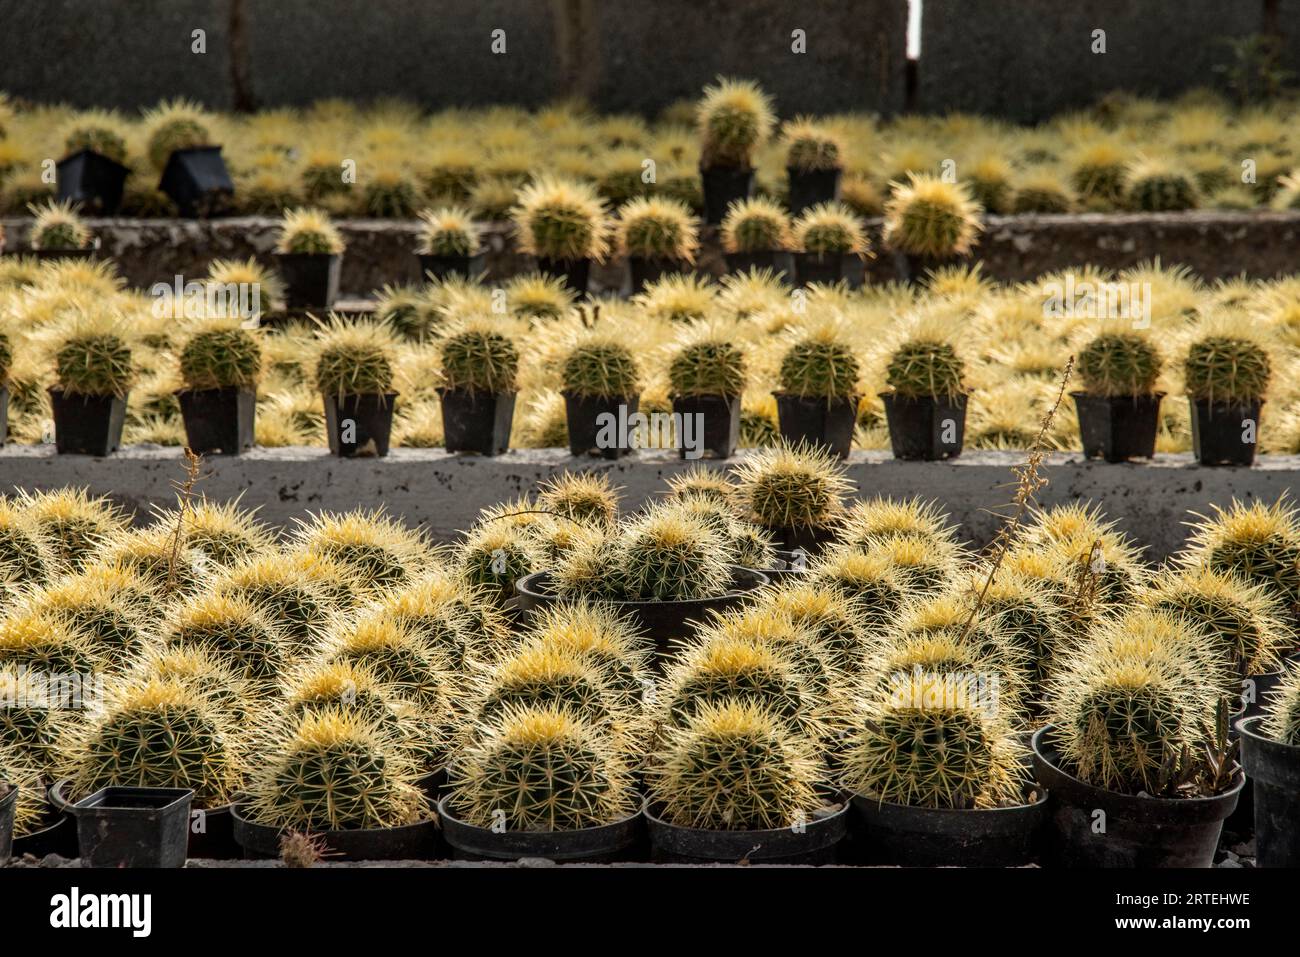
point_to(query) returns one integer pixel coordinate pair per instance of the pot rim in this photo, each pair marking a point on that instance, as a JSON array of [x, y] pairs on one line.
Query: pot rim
[[826, 821], [242, 821], [444, 813], [857, 797]]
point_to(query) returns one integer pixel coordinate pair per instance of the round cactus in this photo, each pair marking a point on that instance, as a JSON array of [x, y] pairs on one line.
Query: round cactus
[[1259, 542], [30, 805], [596, 634], [95, 612], [58, 227], [735, 118], [702, 481], [561, 219], [756, 225], [929, 217], [443, 613], [870, 583], [222, 355], [1156, 186], [495, 555], [280, 588], [835, 625], [204, 673], [24, 553], [151, 556], [369, 542], [1282, 714], [829, 228], [596, 367], [1227, 369], [542, 675], [708, 364], [32, 716], [925, 368], [40, 641], [718, 667], [448, 231], [222, 531], [479, 359], [790, 487], [71, 521], [748, 545], [588, 497], [810, 147], [874, 519], [355, 358], [820, 365], [1119, 364], [234, 630], [394, 652], [666, 556], [309, 231], [657, 228]]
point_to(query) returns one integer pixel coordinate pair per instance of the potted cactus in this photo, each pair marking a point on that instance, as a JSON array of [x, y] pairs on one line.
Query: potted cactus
[[795, 493], [220, 365], [926, 405], [734, 118], [928, 223], [59, 233], [354, 375], [1155, 185], [814, 163], [93, 374], [825, 237], [307, 257], [657, 236], [818, 399], [756, 234], [1270, 752], [563, 224], [449, 244], [1226, 377], [93, 171], [1119, 409], [706, 373], [194, 175], [478, 387], [601, 385]]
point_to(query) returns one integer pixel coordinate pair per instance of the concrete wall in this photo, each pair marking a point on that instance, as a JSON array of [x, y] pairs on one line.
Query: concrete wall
[[443, 493]]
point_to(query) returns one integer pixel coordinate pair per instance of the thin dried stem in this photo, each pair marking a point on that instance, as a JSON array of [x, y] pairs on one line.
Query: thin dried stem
[[185, 492]]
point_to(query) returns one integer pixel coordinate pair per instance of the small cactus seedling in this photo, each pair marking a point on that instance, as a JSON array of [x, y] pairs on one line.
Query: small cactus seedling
[[374, 546], [448, 231], [829, 229], [926, 368], [71, 521], [735, 118], [600, 366], [221, 354], [354, 358], [58, 227], [820, 364], [478, 358], [309, 231], [1227, 369], [657, 228], [929, 217], [811, 148], [756, 225], [587, 497], [790, 487], [1119, 364], [561, 219]]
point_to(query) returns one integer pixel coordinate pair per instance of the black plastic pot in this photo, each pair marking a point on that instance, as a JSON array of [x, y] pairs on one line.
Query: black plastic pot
[[589, 844], [815, 842], [197, 181], [826, 268], [724, 185], [584, 416], [659, 621], [92, 181], [8, 809], [927, 428], [1139, 831], [371, 424], [477, 422], [447, 267], [213, 838], [218, 421], [936, 837], [413, 842], [913, 269], [574, 272], [311, 280], [810, 187], [778, 261], [647, 269], [131, 826], [811, 540], [1219, 430], [87, 424], [1118, 428], [1274, 770], [4, 415], [719, 421], [827, 423], [1262, 687]]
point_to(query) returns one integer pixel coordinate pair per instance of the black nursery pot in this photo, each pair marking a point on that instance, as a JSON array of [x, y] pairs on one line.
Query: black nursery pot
[[912, 268], [926, 428], [808, 540], [212, 834], [604, 844], [904, 836], [716, 431], [87, 424], [218, 421], [647, 269], [827, 268], [827, 423], [810, 187], [477, 422], [1140, 831], [371, 418], [448, 267], [1219, 429], [413, 842], [92, 181], [311, 280], [724, 185], [8, 809], [778, 261], [585, 417], [197, 181], [132, 826], [1118, 428], [1274, 770], [574, 272], [4, 415], [815, 842]]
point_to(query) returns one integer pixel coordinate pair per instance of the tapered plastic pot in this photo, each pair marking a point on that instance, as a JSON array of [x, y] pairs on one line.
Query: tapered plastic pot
[[412, 842], [810, 187], [197, 181], [1274, 770], [131, 826], [8, 810], [941, 837], [827, 423], [715, 425], [724, 185], [477, 422], [647, 269], [1118, 428], [925, 428], [574, 272], [828, 268], [311, 280], [813, 842], [469, 842], [1129, 831], [92, 181], [87, 424], [778, 261], [218, 421], [598, 425], [359, 426], [452, 267], [1225, 433]]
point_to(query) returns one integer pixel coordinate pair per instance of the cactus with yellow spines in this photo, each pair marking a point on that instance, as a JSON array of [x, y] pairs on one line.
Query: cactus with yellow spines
[[204, 672], [543, 675], [1258, 541], [778, 631], [397, 655], [30, 726], [24, 553], [664, 555], [71, 521], [152, 555], [1282, 713], [700, 480], [29, 807], [748, 545], [234, 630], [926, 566], [581, 496], [879, 518], [790, 487], [835, 624], [281, 589], [595, 633], [495, 555], [438, 607], [40, 641], [224, 532], [97, 612], [376, 547], [870, 583]]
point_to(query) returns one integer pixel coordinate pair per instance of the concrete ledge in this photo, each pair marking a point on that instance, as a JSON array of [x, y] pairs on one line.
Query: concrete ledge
[[443, 493]]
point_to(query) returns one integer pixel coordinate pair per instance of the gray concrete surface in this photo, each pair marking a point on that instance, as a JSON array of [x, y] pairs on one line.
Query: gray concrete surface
[[443, 493]]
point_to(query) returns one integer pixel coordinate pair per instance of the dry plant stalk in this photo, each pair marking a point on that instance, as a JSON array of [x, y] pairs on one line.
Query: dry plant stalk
[[185, 491]]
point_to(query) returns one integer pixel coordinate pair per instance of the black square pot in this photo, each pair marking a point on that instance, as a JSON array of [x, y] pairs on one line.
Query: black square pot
[[134, 827], [574, 272], [719, 418], [821, 422], [925, 429], [583, 414], [782, 263], [93, 181], [452, 267], [87, 424], [1220, 430], [477, 422], [826, 268], [647, 269], [197, 181], [359, 426], [724, 185], [311, 280], [218, 421], [809, 188], [1118, 428]]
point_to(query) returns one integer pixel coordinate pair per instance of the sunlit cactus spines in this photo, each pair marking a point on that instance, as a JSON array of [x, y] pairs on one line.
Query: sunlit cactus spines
[[580, 496], [29, 805], [30, 726], [72, 521], [97, 613], [880, 518], [546, 675], [1157, 186], [57, 226], [1282, 711], [790, 487], [1222, 368], [597, 634], [561, 219], [929, 217], [279, 587], [24, 551], [40, 641], [223, 531], [309, 231], [734, 117], [378, 548], [1258, 541], [870, 583], [396, 655], [666, 555], [756, 225], [1119, 364], [820, 364], [834, 623], [448, 231], [926, 368], [234, 630]]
